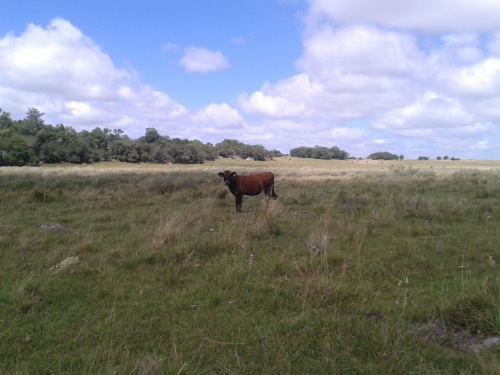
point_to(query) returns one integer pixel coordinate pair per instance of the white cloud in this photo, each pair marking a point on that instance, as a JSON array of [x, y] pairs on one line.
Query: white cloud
[[347, 73], [479, 80], [416, 88], [481, 145], [345, 133], [220, 116], [58, 60], [203, 60], [66, 75], [330, 52], [268, 105], [428, 15], [429, 111]]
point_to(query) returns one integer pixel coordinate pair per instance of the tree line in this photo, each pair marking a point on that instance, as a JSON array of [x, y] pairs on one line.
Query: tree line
[[319, 152], [30, 142]]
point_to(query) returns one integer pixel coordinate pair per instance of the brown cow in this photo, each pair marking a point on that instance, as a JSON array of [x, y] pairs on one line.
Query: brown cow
[[252, 184]]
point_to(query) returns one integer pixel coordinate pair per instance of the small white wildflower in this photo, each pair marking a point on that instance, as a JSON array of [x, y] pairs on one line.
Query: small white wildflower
[[491, 261], [250, 259]]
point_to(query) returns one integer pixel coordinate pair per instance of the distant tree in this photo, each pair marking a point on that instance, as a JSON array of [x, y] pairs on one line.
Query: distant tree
[[14, 150], [151, 135], [33, 121], [339, 154], [301, 152], [382, 156], [319, 152], [446, 157], [275, 153], [5, 120], [229, 148], [438, 158], [256, 152], [423, 158], [118, 132], [99, 138], [123, 149], [401, 157]]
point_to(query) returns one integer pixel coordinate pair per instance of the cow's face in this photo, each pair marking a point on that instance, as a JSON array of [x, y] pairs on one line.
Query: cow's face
[[228, 176]]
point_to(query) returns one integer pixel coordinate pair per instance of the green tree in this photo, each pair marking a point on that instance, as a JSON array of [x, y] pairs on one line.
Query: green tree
[[5, 120], [33, 121], [229, 148], [14, 151], [151, 135], [382, 156], [301, 152], [339, 154], [319, 152]]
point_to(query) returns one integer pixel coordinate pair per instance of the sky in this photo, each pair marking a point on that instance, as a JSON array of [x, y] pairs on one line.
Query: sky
[[414, 77]]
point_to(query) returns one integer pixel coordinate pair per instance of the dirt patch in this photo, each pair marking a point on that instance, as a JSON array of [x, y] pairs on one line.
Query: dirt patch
[[436, 332]]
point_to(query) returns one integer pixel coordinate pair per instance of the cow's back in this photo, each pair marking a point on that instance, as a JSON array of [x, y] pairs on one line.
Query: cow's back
[[253, 184]]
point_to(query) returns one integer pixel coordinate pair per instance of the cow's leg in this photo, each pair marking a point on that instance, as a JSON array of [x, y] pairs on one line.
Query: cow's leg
[[269, 192], [239, 199], [274, 195]]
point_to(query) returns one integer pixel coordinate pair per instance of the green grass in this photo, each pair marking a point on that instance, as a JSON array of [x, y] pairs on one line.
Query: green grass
[[378, 272]]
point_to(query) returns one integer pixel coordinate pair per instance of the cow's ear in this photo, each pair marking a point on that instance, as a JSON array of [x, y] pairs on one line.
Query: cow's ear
[[221, 174], [233, 174]]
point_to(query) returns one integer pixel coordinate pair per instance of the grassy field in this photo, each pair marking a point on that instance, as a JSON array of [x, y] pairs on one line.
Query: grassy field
[[358, 268]]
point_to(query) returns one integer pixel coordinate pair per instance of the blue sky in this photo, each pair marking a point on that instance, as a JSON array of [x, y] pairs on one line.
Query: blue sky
[[417, 78]]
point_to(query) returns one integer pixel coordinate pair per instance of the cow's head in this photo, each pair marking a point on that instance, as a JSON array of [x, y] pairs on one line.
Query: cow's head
[[228, 176]]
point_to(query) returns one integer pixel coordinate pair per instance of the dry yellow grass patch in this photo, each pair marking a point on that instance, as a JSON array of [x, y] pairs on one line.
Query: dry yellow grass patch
[[283, 167]]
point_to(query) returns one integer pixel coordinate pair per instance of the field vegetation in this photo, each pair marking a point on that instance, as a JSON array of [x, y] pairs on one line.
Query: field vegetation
[[358, 268]]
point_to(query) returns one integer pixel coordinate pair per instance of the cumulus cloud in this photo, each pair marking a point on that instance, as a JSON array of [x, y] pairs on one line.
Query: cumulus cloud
[[66, 75], [269, 105], [363, 63], [58, 60], [220, 116], [429, 111], [203, 60], [347, 73], [478, 80], [428, 15]]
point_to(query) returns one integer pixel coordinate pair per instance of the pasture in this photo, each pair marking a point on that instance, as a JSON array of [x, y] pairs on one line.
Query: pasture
[[358, 268]]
